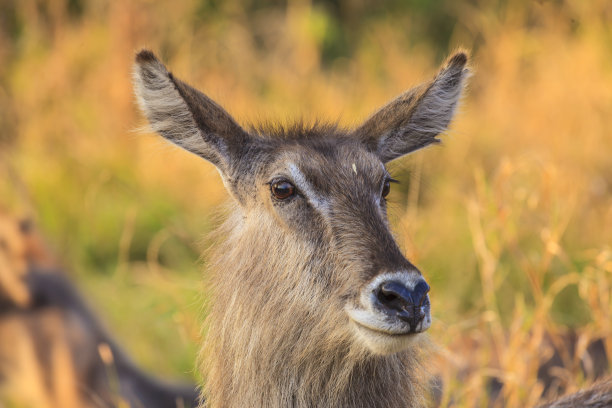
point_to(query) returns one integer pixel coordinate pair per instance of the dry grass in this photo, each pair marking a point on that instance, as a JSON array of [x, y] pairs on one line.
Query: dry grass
[[510, 220]]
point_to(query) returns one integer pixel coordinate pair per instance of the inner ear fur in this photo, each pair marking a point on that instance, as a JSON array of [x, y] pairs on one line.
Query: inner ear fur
[[414, 119], [185, 116]]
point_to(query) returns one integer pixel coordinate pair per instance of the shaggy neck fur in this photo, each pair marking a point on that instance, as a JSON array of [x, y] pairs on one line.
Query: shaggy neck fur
[[277, 335]]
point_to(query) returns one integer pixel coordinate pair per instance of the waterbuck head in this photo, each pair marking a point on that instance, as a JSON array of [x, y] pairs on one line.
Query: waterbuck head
[[310, 290]]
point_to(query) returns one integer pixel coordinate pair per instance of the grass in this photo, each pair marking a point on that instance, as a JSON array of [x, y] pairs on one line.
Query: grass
[[510, 220]]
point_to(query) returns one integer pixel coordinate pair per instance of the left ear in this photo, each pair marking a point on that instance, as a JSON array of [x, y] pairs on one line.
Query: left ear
[[186, 117], [415, 118]]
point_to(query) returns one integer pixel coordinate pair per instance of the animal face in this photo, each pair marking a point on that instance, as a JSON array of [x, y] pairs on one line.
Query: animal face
[[313, 215]]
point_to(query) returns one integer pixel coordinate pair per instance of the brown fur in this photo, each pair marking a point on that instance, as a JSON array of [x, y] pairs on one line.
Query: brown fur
[[291, 279], [597, 396], [294, 320], [266, 346]]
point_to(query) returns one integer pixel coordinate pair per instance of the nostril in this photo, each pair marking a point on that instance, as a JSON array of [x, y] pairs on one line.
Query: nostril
[[394, 295], [385, 296]]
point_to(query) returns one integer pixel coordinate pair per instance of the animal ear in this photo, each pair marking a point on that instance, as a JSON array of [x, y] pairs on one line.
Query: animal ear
[[185, 116], [414, 119]]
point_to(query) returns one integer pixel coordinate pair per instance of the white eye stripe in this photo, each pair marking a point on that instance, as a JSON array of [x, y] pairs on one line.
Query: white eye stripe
[[318, 202]]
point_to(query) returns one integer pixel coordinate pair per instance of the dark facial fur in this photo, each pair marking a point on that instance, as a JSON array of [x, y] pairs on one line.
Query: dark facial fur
[[313, 303]]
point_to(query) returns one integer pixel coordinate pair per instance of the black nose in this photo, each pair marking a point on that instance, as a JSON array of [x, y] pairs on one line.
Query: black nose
[[408, 305]]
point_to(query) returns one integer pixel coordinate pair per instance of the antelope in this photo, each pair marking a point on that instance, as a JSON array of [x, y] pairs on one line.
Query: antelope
[[54, 352], [312, 302]]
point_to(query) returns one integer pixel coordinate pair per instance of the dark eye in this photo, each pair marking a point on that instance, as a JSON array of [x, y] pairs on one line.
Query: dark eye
[[386, 188], [282, 189]]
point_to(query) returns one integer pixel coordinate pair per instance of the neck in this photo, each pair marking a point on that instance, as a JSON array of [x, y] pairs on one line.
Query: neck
[[265, 347]]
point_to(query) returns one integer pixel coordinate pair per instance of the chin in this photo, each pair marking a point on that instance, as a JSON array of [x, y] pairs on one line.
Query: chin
[[385, 343]]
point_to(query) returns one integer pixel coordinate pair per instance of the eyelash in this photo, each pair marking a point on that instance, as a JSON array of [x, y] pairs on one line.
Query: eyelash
[[387, 187]]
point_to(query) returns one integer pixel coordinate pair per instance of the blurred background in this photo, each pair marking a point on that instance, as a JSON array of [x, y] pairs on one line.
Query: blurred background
[[510, 219]]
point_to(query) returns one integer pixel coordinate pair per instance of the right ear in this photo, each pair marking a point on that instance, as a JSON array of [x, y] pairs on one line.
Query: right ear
[[185, 116], [414, 119]]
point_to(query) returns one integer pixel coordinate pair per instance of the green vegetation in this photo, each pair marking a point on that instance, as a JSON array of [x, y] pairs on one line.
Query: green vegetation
[[510, 220]]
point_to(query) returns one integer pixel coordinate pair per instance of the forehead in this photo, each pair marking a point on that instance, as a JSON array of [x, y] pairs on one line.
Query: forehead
[[327, 159]]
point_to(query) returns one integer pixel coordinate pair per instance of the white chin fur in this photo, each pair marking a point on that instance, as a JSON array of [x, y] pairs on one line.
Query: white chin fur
[[378, 322], [384, 343]]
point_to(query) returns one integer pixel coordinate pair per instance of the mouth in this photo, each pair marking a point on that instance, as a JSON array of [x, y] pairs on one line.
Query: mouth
[[392, 330], [384, 335], [382, 331]]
